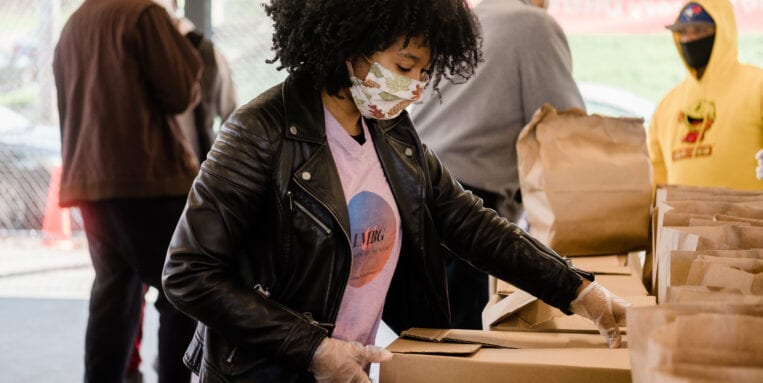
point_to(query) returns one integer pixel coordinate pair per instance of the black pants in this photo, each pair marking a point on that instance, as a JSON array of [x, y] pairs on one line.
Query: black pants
[[128, 241], [467, 286]]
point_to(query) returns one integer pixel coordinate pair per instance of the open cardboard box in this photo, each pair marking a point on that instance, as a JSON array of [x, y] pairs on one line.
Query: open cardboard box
[[450, 356], [521, 311], [619, 264]]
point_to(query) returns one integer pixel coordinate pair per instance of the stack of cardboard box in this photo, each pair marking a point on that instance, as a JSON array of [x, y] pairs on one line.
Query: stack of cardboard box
[[706, 265]]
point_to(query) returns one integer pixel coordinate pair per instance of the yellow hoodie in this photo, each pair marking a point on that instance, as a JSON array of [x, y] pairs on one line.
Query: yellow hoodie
[[706, 131]]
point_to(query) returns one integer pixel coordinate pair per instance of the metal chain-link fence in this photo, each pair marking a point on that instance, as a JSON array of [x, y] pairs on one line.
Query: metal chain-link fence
[[29, 142]]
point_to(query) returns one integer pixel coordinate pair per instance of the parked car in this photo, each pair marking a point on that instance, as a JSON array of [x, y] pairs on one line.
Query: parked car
[[615, 102]]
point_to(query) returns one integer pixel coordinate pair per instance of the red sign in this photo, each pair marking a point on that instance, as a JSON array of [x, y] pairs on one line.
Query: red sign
[[639, 16]]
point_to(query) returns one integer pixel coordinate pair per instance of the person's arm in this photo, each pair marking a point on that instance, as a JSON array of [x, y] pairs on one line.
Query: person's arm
[[171, 66], [201, 273], [500, 248], [495, 245], [546, 68]]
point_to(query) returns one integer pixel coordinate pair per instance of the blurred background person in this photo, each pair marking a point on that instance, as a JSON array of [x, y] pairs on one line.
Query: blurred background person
[[218, 101], [121, 68], [218, 94], [474, 127], [707, 130]]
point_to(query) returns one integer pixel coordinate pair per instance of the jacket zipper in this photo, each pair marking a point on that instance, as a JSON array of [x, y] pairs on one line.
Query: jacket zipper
[[312, 216], [229, 359], [335, 311], [312, 320], [258, 287], [534, 246]]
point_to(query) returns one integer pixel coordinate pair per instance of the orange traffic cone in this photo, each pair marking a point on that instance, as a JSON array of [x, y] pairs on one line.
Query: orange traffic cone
[[57, 223]]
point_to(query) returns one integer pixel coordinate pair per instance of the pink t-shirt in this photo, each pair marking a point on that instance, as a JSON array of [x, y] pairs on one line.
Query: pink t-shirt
[[375, 233]]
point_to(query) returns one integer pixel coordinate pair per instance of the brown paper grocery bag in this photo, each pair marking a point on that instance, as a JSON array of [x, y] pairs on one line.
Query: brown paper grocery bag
[[729, 218], [693, 238], [703, 193], [744, 275], [680, 261], [736, 209], [707, 373], [699, 294], [585, 182], [671, 218], [712, 338], [717, 333]]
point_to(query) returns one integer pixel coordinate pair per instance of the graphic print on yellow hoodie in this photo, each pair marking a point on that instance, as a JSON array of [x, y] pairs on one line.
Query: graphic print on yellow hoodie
[[706, 131]]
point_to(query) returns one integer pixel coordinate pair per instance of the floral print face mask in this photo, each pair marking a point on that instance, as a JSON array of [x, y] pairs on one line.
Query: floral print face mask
[[383, 94]]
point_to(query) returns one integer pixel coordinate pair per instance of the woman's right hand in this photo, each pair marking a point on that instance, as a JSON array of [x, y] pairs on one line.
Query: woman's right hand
[[606, 310], [339, 361]]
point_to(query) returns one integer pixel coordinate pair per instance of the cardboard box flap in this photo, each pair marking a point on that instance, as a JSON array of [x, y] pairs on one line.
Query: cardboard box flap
[[507, 306], [565, 323], [504, 339], [604, 264], [504, 288], [557, 323], [427, 334], [410, 346], [623, 285]]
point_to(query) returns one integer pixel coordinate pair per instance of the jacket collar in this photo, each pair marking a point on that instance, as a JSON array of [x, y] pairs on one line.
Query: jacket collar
[[305, 122], [303, 110]]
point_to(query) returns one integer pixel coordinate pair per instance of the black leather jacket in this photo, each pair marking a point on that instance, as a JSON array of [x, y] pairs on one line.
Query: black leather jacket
[[261, 255]]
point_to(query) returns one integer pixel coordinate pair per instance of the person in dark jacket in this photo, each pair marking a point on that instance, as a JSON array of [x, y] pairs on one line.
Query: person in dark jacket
[[318, 211], [121, 70]]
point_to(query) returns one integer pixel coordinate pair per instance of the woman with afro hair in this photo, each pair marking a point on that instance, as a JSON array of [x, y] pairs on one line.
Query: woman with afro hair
[[318, 211]]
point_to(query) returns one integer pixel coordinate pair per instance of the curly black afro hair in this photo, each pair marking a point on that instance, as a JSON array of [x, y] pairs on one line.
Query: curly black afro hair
[[317, 37]]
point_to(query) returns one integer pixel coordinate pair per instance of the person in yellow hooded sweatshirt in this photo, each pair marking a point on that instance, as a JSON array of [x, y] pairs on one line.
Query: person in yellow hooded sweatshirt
[[707, 130]]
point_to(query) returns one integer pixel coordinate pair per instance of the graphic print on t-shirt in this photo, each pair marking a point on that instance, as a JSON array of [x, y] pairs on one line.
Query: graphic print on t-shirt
[[373, 233]]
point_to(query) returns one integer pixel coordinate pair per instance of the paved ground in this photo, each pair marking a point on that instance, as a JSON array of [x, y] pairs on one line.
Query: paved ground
[[44, 291]]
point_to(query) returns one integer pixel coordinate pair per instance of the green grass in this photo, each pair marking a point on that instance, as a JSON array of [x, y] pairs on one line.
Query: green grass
[[647, 65]]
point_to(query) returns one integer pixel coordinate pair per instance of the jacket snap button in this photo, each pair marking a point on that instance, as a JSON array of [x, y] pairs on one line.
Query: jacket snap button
[[306, 176], [408, 152], [293, 129]]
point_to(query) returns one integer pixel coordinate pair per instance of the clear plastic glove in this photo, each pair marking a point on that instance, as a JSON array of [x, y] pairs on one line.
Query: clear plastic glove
[[342, 362], [759, 170], [605, 309]]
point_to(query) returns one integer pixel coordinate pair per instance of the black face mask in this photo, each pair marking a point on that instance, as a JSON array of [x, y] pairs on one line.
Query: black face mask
[[697, 52]]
